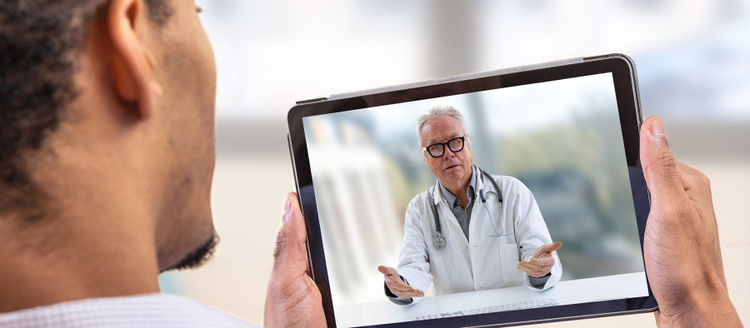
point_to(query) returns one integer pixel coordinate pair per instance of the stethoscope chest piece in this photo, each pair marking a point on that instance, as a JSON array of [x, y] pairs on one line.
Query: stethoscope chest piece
[[439, 240]]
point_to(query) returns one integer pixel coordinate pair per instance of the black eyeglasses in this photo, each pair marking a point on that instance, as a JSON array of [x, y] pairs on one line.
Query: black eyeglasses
[[438, 149]]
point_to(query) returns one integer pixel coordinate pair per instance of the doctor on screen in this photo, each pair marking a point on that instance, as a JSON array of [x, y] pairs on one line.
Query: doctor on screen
[[471, 230]]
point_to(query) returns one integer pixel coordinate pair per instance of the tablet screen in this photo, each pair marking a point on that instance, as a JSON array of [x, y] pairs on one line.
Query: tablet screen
[[556, 154]]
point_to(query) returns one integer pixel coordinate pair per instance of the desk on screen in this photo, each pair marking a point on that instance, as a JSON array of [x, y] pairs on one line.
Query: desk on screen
[[566, 292]]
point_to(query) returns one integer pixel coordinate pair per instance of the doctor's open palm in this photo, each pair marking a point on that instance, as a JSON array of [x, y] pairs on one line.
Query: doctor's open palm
[[397, 285], [541, 262]]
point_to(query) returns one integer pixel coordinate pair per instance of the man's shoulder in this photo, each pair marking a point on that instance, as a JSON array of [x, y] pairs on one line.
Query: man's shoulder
[[148, 310], [419, 204]]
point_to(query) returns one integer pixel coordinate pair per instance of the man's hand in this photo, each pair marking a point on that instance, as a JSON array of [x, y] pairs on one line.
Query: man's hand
[[681, 242], [292, 299], [541, 262], [397, 286]]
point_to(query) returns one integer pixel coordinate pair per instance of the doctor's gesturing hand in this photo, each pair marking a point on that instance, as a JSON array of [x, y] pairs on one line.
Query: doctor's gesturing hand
[[397, 285], [541, 262]]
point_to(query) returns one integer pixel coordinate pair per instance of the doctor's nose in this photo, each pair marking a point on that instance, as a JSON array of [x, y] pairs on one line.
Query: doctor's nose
[[448, 153]]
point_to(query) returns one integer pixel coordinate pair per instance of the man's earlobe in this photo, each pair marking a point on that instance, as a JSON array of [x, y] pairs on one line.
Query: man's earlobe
[[124, 81], [155, 86], [126, 87], [133, 66]]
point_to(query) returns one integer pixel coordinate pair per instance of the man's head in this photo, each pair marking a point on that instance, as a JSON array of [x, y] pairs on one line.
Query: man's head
[[441, 125], [107, 123]]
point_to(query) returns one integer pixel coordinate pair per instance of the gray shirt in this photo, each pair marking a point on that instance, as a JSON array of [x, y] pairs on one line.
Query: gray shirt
[[463, 215]]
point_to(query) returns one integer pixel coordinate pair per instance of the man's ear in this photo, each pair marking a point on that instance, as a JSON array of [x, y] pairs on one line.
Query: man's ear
[[132, 64]]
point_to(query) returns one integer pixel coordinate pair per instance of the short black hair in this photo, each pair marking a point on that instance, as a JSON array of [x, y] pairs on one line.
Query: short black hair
[[40, 42]]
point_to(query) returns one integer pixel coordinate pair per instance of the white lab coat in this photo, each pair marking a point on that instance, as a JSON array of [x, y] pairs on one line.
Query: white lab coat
[[483, 262]]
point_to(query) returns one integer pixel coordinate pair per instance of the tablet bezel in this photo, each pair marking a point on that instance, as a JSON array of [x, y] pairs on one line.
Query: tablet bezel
[[626, 90]]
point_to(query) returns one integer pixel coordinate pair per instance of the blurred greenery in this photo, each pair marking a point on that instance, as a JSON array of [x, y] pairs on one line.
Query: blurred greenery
[[578, 175]]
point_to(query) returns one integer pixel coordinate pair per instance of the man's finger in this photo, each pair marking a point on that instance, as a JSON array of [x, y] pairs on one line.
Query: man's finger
[[387, 270], [411, 293], [659, 165], [698, 188], [532, 271], [547, 248], [527, 266], [416, 293], [521, 266], [554, 246], [533, 265], [402, 289], [695, 180], [290, 255], [527, 270], [543, 261]]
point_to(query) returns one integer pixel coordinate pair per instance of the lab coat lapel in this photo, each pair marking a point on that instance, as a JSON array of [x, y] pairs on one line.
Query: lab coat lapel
[[458, 246]]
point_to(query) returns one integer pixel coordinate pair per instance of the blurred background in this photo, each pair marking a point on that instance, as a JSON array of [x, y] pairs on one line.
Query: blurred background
[[691, 56], [562, 139]]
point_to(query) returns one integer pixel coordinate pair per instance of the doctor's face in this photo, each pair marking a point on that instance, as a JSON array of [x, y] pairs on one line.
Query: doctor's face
[[452, 167]]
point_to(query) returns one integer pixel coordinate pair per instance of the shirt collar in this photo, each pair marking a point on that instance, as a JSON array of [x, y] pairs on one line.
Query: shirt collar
[[451, 199]]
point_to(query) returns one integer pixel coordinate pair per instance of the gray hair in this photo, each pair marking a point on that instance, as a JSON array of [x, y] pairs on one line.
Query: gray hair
[[438, 111]]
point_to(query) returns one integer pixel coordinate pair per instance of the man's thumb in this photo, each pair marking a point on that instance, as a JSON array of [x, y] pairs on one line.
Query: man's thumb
[[659, 165], [290, 255], [554, 246], [387, 270]]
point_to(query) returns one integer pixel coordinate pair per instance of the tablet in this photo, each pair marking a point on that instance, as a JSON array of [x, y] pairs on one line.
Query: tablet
[[460, 185]]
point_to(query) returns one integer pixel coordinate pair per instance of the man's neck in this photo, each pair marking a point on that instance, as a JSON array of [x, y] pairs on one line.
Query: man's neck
[[95, 241], [458, 189], [41, 269]]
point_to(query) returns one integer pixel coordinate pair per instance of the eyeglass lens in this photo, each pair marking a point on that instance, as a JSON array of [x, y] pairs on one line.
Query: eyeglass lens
[[455, 145]]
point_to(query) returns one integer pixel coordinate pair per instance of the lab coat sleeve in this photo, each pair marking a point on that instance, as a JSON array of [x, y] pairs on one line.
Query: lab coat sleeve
[[532, 231], [413, 262]]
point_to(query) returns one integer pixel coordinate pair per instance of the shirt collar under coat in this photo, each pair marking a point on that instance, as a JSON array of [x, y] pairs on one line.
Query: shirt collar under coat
[[478, 184], [451, 199]]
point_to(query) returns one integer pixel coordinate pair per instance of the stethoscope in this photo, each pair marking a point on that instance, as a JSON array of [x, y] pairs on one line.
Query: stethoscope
[[439, 240]]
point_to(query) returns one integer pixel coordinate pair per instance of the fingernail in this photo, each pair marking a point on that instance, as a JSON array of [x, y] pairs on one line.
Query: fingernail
[[657, 128], [658, 133], [287, 209]]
